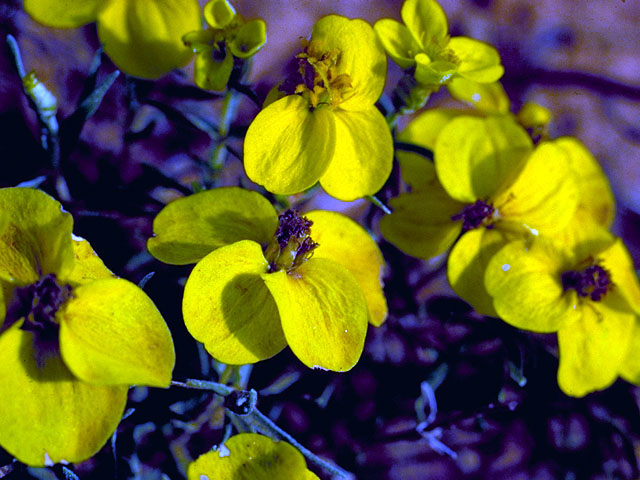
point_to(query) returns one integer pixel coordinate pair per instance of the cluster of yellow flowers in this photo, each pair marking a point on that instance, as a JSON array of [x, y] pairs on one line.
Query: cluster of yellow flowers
[[525, 220]]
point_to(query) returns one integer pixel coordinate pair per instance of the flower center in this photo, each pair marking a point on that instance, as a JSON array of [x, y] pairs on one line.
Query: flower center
[[317, 77], [475, 215], [594, 282], [291, 245], [38, 304]]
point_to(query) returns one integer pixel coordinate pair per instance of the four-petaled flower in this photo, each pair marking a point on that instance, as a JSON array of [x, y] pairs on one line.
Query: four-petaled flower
[[588, 294], [423, 42], [142, 37], [327, 127], [264, 281], [73, 337], [228, 36]]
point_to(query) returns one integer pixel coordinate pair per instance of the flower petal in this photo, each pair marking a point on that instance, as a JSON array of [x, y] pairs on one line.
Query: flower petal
[[211, 73], [37, 240], [46, 414], [145, 38], [479, 61], [630, 367], [227, 307], [488, 98], [249, 38], [361, 57], [426, 20], [363, 155], [593, 348], [251, 457], [218, 13], [111, 333], [398, 41], [347, 243], [544, 196], [596, 197], [63, 13], [525, 283], [421, 224], [474, 156], [617, 260], [287, 147], [323, 312], [191, 227], [467, 264], [87, 266]]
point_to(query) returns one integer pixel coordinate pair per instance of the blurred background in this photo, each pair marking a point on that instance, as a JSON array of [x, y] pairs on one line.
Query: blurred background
[[500, 414]]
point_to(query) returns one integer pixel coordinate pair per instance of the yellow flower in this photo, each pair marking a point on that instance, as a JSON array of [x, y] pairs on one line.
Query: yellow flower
[[73, 337], [488, 184], [142, 37], [423, 42], [588, 293], [327, 127], [228, 36], [250, 456], [262, 281]]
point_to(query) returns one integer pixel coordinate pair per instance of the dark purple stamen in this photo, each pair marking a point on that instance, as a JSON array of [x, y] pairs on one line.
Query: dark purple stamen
[[291, 225], [474, 215], [594, 282], [38, 304]]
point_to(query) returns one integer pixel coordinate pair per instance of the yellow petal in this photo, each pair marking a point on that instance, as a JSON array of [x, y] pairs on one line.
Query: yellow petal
[[544, 196], [593, 348], [617, 261], [250, 456], [144, 38], [426, 20], [363, 155], [421, 224], [347, 243], [46, 414], [63, 13], [398, 41], [287, 147], [189, 228], [249, 39], [218, 13], [211, 73], [227, 307], [487, 97], [525, 283], [467, 264], [362, 58], [630, 367], [474, 156], [323, 313], [596, 197], [479, 61], [111, 333], [87, 266], [37, 240]]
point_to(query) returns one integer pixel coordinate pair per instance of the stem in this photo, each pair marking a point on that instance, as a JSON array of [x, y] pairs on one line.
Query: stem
[[410, 147], [215, 387], [378, 203]]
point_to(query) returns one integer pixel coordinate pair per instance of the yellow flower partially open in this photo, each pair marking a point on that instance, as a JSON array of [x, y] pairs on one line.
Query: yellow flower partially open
[[226, 37], [73, 337], [327, 127], [423, 42], [263, 281], [250, 456], [142, 37], [589, 294]]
